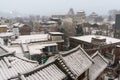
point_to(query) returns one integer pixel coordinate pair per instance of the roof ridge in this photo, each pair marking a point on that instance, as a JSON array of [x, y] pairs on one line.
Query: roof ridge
[[65, 67], [8, 52], [69, 51], [98, 53], [36, 69], [31, 61], [86, 54]]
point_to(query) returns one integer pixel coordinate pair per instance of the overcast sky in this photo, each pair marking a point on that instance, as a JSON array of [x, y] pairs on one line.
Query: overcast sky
[[48, 7]]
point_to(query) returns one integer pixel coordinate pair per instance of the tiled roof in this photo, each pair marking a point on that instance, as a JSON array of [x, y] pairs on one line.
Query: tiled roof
[[100, 63], [77, 60], [68, 64], [5, 50], [49, 71], [11, 65]]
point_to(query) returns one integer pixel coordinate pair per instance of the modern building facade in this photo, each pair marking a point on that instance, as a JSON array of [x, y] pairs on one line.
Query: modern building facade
[[117, 26]]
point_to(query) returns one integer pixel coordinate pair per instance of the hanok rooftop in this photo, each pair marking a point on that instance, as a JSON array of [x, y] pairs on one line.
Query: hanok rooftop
[[11, 65], [97, 69], [71, 65]]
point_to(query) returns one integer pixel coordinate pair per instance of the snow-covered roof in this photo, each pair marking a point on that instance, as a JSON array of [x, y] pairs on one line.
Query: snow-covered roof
[[18, 25], [73, 63], [51, 22], [5, 50], [31, 48], [51, 72], [56, 33], [11, 65], [77, 60], [49, 44], [100, 63], [55, 18], [4, 26], [35, 49], [31, 38], [17, 49], [88, 38], [7, 34], [47, 71]]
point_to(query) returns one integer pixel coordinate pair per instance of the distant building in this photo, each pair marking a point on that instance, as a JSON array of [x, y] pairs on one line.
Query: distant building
[[80, 17], [92, 43], [3, 28], [58, 20], [59, 16], [117, 26], [49, 26], [112, 14], [81, 14], [71, 12], [92, 17], [21, 29]]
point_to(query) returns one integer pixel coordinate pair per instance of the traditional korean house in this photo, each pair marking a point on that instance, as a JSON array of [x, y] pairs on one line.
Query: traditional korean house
[[75, 64], [11, 65], [97, 70], [71, 65], [77, 61], [48, 71]]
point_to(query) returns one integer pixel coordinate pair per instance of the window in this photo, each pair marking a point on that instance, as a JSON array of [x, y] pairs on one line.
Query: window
[[85, 46], [45, 49], [53, 49]]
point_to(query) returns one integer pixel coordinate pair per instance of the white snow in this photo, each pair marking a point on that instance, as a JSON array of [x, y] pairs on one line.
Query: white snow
[[55, 33], [31, 38], [87, 38], [7, 34], [4, 26]]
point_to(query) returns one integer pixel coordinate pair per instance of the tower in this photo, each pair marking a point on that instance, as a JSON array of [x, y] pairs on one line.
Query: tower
[[117, 26], [71, 12]]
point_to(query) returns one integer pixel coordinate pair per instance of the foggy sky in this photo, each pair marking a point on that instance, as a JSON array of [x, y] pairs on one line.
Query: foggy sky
[[49, 7]]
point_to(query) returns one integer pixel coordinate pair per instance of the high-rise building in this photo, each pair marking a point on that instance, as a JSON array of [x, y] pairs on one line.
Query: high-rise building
[[117, 26]]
